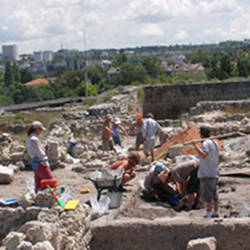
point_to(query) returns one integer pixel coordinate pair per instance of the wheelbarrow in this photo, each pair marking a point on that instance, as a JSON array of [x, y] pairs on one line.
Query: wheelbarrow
[[106, 179]]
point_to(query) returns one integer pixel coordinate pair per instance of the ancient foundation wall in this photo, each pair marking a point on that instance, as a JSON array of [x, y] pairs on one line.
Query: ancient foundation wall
[[171, 234], [169, 101]]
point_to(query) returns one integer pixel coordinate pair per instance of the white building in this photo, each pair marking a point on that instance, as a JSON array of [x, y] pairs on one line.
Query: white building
[[10, 52], [47, 56], [38, 56], [43, 56]]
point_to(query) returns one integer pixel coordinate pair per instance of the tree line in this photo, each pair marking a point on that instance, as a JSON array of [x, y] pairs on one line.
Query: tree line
[[219, 64]]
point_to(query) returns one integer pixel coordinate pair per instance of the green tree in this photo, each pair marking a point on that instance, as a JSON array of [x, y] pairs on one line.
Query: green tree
[[153, 66], [92, 89], [140, 73], [16, 72], [120, 59], [9, 77], [26, 76], [5, 100], [226, 65]]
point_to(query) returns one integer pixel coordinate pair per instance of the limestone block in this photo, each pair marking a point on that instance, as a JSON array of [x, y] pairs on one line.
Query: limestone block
[[175, 150], [25, 245], [17, 156], [77, 150], [37, 231], [12, 240], [45, 245], [31, 213], [20, 165], [53, 153], [48, 215], [11, 213], [44, 199], [6, 175], [208, 243], [13, 167], [4, 156], [18, 128]]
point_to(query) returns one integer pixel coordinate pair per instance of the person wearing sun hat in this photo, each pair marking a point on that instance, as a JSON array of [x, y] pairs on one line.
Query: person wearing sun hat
[[154, 189], [116, 129], [37, 153]]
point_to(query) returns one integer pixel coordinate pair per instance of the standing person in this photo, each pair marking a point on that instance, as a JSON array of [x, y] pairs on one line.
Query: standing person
[[38, 155], [107, 142], [117, 128], [137, 128], [150, 130], [128, 164], [208, 172]]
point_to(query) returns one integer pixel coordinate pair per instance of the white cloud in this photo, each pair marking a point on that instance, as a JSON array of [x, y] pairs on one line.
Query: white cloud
[[181, 35], [152, 29], [44, 24]]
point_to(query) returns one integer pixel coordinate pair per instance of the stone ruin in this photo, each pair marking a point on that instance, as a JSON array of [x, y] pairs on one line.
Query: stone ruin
[[40, 223]]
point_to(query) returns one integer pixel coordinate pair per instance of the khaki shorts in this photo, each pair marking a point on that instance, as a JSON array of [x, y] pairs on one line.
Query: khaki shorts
[[107, 145], [148, 146], [208, 189]]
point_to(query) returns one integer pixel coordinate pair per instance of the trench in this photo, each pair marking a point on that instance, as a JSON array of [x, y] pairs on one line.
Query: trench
[[169, 234], [156, 226]]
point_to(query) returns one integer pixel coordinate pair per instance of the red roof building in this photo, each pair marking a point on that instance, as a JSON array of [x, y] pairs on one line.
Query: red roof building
[[37, 82]]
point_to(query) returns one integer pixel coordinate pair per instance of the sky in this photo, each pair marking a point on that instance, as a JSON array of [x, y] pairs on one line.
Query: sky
[[35, 25]]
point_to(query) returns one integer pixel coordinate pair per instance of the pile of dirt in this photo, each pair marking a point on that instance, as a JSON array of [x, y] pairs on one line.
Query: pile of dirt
[[191, 133]]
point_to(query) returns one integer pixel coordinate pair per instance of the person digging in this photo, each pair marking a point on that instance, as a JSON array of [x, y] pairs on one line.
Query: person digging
[[154, 189], [184, 176], [128, 164]]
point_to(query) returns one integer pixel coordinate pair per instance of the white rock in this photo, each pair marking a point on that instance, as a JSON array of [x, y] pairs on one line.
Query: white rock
[[45, 245], [208, 243], [77, 150], [25, 245], [6, 175], [12, 240]]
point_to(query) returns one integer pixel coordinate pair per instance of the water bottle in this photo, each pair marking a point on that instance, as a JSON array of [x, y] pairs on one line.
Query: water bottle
[[66, 195]]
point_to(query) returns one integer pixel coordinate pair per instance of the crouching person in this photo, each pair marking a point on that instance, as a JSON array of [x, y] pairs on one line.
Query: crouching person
[[155, 190], [184, 176], [128, 164]]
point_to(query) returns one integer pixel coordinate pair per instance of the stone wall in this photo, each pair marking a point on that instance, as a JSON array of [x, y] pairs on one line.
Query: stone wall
[[231, 234], [42, 224], [170, 101]]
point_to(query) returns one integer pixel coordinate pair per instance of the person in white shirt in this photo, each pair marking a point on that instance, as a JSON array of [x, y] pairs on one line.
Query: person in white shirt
[[38, 155], [208, 171], [150, 129]]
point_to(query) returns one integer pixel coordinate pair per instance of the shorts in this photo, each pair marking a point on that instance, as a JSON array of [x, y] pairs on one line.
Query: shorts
[[139, 138], [107, 145], [149, 146], [117, 140], [193, 184], [208, 189]]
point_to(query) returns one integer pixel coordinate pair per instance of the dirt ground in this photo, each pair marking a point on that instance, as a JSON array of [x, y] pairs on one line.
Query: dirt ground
[[232, 193]]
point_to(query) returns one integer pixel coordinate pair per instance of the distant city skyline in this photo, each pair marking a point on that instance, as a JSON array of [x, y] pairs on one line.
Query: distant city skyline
[[46, 24]]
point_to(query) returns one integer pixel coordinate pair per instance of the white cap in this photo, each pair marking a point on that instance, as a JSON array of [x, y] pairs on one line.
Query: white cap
[[117, 121], [38, 124]]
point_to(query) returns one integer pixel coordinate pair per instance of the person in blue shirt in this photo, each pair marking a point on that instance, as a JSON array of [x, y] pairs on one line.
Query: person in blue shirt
[[117, 129]]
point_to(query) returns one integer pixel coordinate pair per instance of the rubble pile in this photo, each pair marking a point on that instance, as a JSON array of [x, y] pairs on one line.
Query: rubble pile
[[45, 225]]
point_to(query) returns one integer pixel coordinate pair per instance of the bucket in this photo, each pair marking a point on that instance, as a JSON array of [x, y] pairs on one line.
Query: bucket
[[115, 199]]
